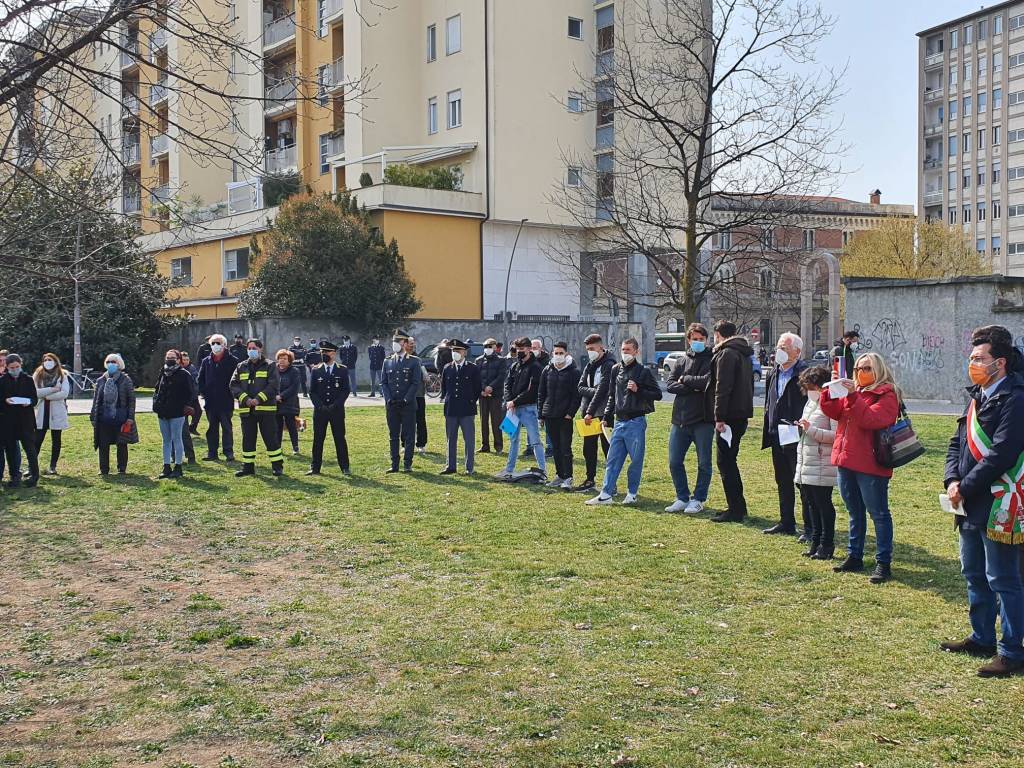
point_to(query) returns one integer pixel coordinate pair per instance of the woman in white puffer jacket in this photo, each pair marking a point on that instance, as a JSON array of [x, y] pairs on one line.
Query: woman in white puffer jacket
[[52, 388], [814, 471]]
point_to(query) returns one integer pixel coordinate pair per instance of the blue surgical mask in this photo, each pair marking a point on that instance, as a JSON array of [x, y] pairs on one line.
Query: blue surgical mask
[[15, 372], [112, 368], [254, 354], [698, 346]]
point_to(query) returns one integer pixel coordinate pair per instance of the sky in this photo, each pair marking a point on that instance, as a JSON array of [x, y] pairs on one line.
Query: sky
[[877, 41]]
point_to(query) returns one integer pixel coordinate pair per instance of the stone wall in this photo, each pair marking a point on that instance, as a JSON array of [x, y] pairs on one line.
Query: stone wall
[[923, 327]]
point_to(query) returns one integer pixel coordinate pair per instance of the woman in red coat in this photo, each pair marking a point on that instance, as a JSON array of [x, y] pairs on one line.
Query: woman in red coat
[[872, 403]]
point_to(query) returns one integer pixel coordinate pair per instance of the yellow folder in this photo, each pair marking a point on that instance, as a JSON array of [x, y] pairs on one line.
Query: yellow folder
[[585, 431]]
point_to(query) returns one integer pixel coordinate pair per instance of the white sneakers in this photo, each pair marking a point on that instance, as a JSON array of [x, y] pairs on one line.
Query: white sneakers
[[630, 498], [567, 485], [599, 499], [694, 507], [678, 506]]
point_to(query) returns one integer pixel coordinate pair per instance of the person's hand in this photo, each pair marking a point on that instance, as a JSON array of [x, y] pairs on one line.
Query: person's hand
[[510, 406], [569, 416], [631, 386], [848, 383], [253, 402], [953, 491], [278, 398], [487, 390], [587, 419], [719, 426], [804, 424]]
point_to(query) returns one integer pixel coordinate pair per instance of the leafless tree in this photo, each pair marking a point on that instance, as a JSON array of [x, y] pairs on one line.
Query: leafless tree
[[709, 100]]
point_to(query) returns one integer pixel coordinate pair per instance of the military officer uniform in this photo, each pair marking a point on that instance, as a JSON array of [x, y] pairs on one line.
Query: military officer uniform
[[299, 364], [400, 384], [328, 389], [258, 380], [460, 390]]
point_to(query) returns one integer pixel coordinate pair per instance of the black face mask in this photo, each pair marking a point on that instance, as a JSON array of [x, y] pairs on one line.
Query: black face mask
[[521, 355], [170, 363]]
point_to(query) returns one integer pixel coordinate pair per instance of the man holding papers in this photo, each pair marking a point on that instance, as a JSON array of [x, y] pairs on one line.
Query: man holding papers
[[522, 387], [784, 403], [18, 422], [985, 475]]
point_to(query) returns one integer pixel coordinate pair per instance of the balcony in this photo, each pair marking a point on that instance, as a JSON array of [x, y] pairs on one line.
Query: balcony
[[131, 202], [131, 153], [129, 104], [333, 11], [130, 54], [933, 197], [279, 31], [933, 60], [932, 163], [281, 160], [158, 145], [334, 75], [157, 92], [160, 195], [157, 41], [245, 196], [934, 129], [933, 94], [279, 93], [393, 196]]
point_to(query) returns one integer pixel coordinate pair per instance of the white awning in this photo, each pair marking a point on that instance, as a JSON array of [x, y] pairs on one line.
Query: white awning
[[440, 153]]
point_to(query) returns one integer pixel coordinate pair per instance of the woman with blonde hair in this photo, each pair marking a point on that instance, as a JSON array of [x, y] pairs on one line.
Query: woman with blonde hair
[[862, 406], [52, 388]]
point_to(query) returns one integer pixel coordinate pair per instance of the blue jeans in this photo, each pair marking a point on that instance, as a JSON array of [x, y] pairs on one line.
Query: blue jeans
[[629, 438], [863, 493], [174, 446], [701, 436], [527, 415], [993, 586]]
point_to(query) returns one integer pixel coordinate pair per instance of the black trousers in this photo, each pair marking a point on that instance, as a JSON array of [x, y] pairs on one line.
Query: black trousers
[[197, 414], [590, 444], [784, 464], [560, 433], [55, 442], [266, 424], [186, 440], [107, 436], [492, 413], [29, 448], [421, 422], [287, 422], [335, 419], [817, 500], [401, 429], [218, 421], [302, 379], [728, 468]]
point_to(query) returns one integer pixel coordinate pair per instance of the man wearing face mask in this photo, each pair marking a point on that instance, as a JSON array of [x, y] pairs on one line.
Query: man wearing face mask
[[557, 403], [984, 476], [238, 349], [328, 390], [255, 386], [593, 390], [348, 355], [18, 420], [375, 354], [299, 363], [784, 403], [522, 385], [215, 374], [460, 389], [847, 353], [400, 385], [690, 425], [493, 368]]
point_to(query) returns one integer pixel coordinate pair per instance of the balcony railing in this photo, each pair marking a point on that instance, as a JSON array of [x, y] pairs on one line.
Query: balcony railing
[[160, 195], [157, 92], [281, 160], [245, 195], [336, 74], [332, 10], [130, 153], [158, 40], [933, 60], [280, 92], [278, 30], [933, 197], [932, 162], [931, 94], [158, 144], [933, 129], [129, 56], [130, 103], [131, 202]]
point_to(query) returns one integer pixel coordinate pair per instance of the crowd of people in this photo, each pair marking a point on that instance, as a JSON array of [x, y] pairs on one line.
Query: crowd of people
[[820, 423]]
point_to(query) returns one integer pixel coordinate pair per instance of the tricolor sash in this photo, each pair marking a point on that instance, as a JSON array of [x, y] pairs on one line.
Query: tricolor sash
[[1005, 520]]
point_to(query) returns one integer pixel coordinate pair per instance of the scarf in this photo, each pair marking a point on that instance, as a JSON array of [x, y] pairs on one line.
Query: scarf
[[108, 399], [1005, 523]]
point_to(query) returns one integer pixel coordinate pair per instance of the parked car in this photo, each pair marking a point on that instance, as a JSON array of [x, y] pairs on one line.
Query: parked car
[[821, 356], [476, 348], [669, 362]]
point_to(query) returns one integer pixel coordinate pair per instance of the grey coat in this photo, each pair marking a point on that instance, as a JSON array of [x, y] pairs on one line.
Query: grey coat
[[814, 451]]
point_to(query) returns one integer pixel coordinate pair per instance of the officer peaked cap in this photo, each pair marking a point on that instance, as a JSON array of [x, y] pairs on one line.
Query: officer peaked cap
[[456, 344], [327, 346], [401, 335]]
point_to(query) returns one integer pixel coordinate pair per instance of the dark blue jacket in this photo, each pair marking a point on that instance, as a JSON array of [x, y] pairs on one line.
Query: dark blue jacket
[[313, 358], [215, 382], [789, 407], [493, 369], [329, 391], [376, 354], [401, 379], [460, 389], [1002, 419], [347, 356]]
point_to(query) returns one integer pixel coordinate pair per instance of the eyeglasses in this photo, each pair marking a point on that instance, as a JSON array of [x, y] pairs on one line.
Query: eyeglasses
[[862, 368]]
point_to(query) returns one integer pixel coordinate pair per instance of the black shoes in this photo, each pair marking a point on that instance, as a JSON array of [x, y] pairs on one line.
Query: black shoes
[[313, 472], [485, 449], [727, 517], [850, 565], [166, 473], [881, 574], [246, 470], [277, 468], [969, 647], [780, 530], [446, 471], [823, 553], [1001, 666], [209, 458], [392, 471], [584, 487], [176, 472]]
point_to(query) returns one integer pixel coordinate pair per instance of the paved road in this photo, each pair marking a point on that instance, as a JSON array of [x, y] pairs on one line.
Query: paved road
[[145, 404]]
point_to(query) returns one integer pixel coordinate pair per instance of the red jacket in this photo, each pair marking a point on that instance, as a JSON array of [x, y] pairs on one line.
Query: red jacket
[[860, 415]]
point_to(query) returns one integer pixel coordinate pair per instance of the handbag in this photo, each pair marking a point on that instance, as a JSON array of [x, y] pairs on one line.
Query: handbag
[[899, 444]]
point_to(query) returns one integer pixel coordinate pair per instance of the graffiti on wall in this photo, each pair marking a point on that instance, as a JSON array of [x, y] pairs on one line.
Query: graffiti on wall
[[889, 334]]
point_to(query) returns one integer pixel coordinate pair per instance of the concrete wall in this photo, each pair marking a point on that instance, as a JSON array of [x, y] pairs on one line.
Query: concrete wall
[[923, 328]]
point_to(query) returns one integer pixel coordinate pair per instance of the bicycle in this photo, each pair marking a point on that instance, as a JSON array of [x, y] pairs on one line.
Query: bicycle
[[433, 384], [84, 382]]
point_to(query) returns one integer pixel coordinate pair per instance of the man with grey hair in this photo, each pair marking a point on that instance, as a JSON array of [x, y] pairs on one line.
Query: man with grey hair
[[214, 384], [784, 405]]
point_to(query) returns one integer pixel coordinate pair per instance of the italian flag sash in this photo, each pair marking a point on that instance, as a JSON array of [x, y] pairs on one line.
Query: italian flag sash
[[1005, 520]]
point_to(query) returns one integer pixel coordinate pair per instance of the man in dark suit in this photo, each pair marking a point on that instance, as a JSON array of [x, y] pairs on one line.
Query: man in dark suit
[[784, 404], [460, 390], [400, 384], [328, 389], [376, 354], [492, 408], [299, 355], [347, 356]]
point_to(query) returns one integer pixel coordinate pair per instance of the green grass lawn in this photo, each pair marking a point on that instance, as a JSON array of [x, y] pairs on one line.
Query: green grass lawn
[[414, 620]]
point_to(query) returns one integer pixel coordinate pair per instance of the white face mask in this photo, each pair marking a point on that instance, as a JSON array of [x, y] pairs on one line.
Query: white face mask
[[49, 365], [627, 358], [217, 348], [558, 359], [814, 395], [396, 346], [781, 356], [488, 351], [593, 354], [457, 357]]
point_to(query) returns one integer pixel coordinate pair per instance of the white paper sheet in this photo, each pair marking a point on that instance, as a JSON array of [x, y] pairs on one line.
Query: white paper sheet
[[947, 506], [788, 434], [19, 401], [837, 391], [726, 435]]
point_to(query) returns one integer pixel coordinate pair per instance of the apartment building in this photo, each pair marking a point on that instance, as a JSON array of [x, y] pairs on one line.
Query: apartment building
[[971, 130], [345, 90]]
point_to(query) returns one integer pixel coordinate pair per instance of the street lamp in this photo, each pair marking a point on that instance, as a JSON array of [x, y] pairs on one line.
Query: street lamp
[[508, 276]]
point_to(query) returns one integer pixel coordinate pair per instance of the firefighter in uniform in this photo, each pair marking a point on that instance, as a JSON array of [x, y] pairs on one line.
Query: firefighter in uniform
[[328, 389], [400, 384], [255, 387]]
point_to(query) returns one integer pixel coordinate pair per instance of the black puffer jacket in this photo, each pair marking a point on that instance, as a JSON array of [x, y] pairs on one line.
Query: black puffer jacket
[[174, 391], [730, 392], [595, 383], [559, 391], [688, 382], [625, 405], [492, 372], [522, 383], [288, 381]]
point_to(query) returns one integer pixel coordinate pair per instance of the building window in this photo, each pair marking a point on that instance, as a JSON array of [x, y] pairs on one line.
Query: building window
[[980, 245], [967, 143], [967, 72], [1012, 174], [1016, 60], [808, 239], [952, 146], [605, 185], [997, 62], [952, 179], [725, 274], [967, 106], [997, 25], [951, 215], [997, 98], [981, 139], [432, 115], [769, 237], [766, 279], [1016, 22], [954, 71], [967, 214], [952, 108], [1014, 135], [982, 66], [997, 210], [982, 29], [575, 28], [954, 39], [982, 102], [981, 210], [236, 264], [1013, 249], [965, 181], [232, 66], [454, 109], [325, 150], [996, 243], [574, 102], [981, 175], [432, 43], [1013, 211], [1015, 98], [996, 165], [181, 271], [725, 240], [574, 178], [321, 16], [453, 35], [846, 238], [968, 34], [322, 76], [996, 135]]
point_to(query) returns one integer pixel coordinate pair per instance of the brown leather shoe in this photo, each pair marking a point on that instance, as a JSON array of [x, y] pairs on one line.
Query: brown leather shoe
[[1000, 666], [970, 647]]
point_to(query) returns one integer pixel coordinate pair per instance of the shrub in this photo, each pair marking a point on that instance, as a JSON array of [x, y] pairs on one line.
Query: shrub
[[449, 177], [278, 187]]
